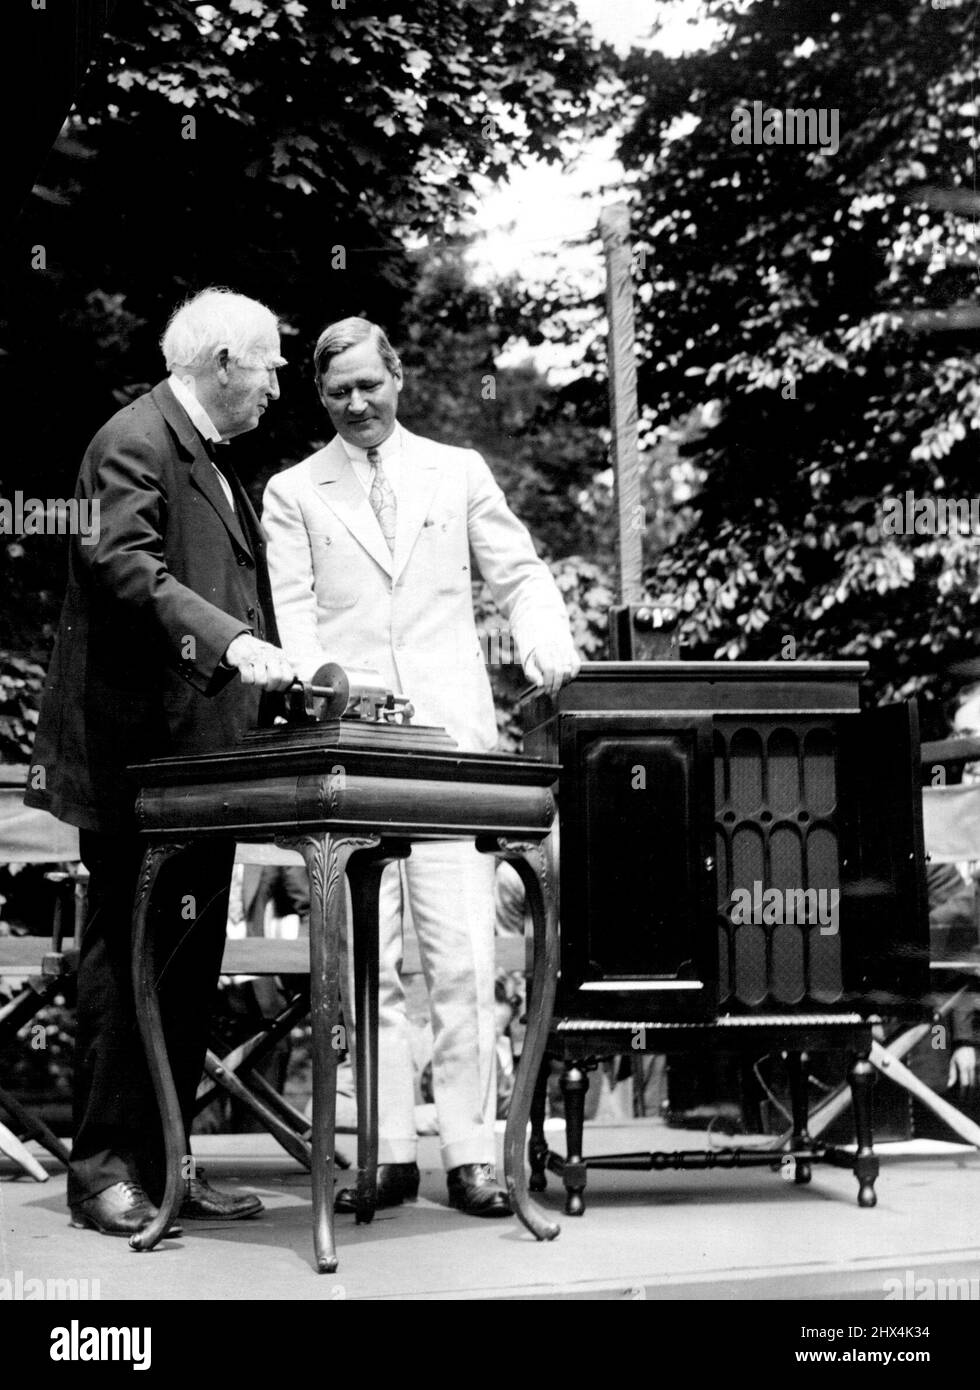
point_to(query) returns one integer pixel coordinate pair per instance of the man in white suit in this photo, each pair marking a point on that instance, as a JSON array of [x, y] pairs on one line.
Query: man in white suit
[[370, 540]]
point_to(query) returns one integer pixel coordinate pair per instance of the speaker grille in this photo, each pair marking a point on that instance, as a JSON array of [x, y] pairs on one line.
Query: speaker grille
[[776, 829]]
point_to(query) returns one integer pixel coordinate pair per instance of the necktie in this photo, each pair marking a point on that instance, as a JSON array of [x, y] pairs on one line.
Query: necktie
[[382, 498], [214, 454]]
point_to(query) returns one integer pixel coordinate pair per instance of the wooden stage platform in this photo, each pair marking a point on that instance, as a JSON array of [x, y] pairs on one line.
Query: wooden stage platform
[[660, 1236]]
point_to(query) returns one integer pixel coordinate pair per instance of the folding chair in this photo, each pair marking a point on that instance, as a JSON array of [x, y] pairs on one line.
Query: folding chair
[[40, 968], [951, 826], [235, 1071], [37, 969]]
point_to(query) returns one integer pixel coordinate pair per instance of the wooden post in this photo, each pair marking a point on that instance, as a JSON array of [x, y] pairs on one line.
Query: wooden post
[[614, 228], [637, 630]]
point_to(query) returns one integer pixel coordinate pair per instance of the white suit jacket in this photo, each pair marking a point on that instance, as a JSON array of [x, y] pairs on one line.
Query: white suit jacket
[[340, 595]]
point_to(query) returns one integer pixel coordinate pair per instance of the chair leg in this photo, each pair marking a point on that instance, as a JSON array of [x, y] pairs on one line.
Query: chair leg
[[797, 1064], [298, 1147], [865, 1162], [751, 1096], [574, 1084], [14, 1149], [22, 1008], [253, 1050], [34, 1128], [537, 1147]]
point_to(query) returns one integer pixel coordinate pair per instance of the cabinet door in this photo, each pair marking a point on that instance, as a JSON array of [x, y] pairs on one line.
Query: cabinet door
[[884, 912], [637, 867]]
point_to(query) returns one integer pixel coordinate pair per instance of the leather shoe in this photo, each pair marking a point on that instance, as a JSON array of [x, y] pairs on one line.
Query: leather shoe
[[119, 1210], [397, 1183], [205, 1203], [473, 1188]]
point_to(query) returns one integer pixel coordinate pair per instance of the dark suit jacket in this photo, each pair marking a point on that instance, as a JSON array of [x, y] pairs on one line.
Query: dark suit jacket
[[149, 612]]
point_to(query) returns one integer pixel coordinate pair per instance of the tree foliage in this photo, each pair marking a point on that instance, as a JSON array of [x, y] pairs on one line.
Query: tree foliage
[[457, 330], [778, 304], [305, 153], [21, 684]]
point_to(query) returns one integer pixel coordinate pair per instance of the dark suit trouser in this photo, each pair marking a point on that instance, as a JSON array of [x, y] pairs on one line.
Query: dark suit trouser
[[117, 1128]]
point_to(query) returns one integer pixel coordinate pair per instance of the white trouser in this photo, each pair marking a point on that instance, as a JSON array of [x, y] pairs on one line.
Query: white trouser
[[447, 886]]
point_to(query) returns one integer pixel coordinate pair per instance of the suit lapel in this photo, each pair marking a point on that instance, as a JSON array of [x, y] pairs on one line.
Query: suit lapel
[[256, 539], [250, 525], [335, 484], [202, 474], [419, 480], [204, 479]]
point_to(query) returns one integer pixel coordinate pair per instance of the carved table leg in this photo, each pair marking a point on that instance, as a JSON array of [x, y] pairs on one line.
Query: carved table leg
[[574, 1084], [326, 860], [865, 1162], [797, 1064], [364, 869], [151, 1031], [536, 871], [537, 1148]]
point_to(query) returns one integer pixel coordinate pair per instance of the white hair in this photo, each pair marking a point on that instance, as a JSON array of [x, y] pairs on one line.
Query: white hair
[[212, 320]]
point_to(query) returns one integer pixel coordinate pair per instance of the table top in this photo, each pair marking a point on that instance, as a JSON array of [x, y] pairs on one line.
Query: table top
[[370, 750], [360, 781]]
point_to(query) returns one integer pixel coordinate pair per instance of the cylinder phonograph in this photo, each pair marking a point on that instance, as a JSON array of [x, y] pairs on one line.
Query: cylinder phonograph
[[334, 694]]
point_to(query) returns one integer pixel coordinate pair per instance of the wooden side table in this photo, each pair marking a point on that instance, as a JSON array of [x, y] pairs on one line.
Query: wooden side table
[[351, 798]]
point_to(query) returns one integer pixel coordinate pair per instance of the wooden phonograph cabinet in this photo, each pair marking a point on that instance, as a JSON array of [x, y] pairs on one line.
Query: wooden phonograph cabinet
[[741, 865]]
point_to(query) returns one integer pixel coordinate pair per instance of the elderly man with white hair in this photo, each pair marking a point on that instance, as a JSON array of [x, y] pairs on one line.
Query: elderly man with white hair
[[167, 645]]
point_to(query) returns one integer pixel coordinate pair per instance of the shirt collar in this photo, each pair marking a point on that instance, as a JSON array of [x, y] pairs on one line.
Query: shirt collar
[[388, 449], [200, 418]]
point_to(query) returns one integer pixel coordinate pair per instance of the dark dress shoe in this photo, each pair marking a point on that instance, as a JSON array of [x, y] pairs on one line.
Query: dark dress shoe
[[119, 1210], [397, 1183], [473, 1188], [205, 1203]]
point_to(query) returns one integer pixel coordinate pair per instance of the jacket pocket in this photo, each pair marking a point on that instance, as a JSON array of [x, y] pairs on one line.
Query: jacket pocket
[[334, 599]]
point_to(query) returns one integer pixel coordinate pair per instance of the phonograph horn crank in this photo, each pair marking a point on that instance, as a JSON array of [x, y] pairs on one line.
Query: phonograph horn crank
[[334, 693], [329, 684]]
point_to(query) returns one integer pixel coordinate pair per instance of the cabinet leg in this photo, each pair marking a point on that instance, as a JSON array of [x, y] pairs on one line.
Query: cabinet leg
[[537, 1148], [574, 1084], [865, 1162], [798, 1067]]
